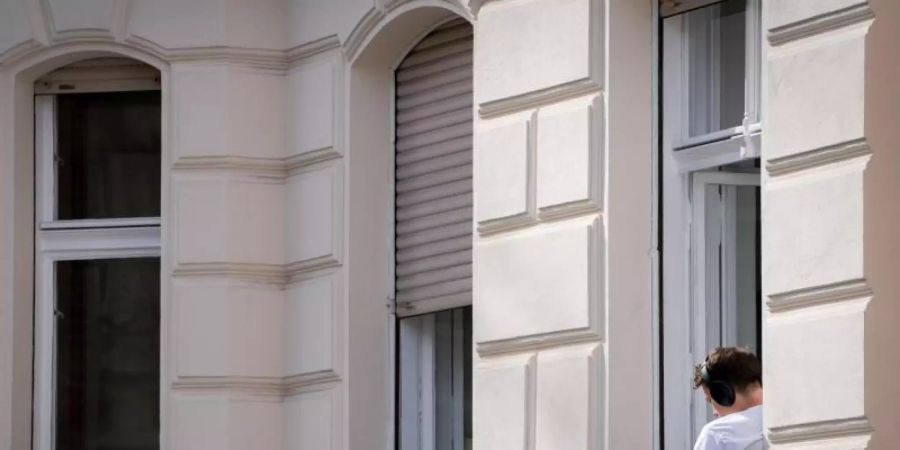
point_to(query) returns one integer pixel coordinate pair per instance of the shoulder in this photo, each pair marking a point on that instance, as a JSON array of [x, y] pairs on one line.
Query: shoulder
[[734, 430], [709, 438]]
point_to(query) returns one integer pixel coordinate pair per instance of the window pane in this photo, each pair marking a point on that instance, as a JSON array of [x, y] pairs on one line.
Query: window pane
[[108, 155], [107, 354], [716, 66], [436, 381], [732, 266]]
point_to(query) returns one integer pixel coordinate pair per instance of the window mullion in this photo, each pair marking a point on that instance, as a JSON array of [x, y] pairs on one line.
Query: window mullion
[[100, 242]]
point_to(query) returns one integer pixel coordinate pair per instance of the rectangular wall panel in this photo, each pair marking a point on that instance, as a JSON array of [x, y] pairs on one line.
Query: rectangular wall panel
[[311, 106], [813, 231], [223, 329], [228, 110], [568, 145], [314, 214], [801, 117], [541, 282], [503, 416], [502, 169], [796, 395], [568, 386], [309, 421], [309, 325], [557, 49], [223, 219]]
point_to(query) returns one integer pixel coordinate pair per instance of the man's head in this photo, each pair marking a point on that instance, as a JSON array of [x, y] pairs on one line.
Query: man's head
[[731, 378]]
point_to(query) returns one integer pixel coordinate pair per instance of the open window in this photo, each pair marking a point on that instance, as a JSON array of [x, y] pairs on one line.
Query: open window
[[711, 293], [433, 241], [97, 269]]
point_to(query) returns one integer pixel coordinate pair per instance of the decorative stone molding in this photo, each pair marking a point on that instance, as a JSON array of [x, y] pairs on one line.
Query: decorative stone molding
[[536, 342], [494, 226], [269, 274], [271, 388], [279, 61], [555, 318], [362, 32], [382, 12], [312, 48], [264, 169], [538, 98], [272, 274], [567, 210], [854, 426], [818, 157], [819, 295], [820, 24]]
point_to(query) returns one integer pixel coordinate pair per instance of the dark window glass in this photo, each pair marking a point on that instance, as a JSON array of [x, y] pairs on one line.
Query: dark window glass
[[107, 354], [108, 155]]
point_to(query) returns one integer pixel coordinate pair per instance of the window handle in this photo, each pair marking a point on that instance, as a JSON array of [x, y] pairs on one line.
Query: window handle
[[57, 314], [748, 150]]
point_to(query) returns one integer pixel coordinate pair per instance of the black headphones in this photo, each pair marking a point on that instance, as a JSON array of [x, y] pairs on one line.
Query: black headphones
[[721, 391]]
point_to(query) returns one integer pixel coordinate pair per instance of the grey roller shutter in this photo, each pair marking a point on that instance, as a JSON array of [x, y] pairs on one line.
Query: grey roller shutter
[[434, 172]]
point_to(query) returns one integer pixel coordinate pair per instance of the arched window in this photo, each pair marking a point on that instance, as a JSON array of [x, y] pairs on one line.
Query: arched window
[[433, 240], [97, 239]]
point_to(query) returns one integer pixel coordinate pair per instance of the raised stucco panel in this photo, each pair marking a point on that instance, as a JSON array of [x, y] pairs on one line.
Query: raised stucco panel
[[837, 329], [502, 178], [813, 228], [567, 394], [240, 336], [16, 27], [87, 16], [559, 51], [539, 283], [816, 95], [504, 422], [176, 24]]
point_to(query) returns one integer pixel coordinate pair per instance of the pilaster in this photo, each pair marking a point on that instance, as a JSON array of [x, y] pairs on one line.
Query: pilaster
[[827, 153]]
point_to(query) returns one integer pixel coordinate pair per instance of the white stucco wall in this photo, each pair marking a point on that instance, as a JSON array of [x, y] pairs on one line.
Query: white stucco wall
[[276, 216], [831, 167]]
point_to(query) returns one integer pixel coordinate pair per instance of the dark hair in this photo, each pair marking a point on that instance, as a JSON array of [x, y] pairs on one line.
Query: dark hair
[[737, 366]]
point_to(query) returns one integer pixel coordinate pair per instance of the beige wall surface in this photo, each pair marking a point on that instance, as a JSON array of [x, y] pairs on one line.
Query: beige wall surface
[[277, 219], [276, 214], [828, 205]]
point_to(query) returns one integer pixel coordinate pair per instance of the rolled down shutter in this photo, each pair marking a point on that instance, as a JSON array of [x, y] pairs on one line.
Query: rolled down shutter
[[433, 188]]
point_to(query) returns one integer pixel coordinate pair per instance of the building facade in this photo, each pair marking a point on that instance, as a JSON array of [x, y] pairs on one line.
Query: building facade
[[444, 224]]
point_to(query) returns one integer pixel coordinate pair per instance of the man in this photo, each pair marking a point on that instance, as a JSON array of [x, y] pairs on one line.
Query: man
[[731, 379]]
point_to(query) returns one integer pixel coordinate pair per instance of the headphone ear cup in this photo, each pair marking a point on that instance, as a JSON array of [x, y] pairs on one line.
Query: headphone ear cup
[[722, 393]]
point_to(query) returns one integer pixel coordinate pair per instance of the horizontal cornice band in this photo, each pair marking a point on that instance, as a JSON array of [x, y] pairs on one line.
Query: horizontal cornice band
[[537, 342], [829, 429], [818, 157], [820, 24], [541, 97], [274, 169], [269, 274], [260, 58], [509, 223], [271, 388], [819, 295]]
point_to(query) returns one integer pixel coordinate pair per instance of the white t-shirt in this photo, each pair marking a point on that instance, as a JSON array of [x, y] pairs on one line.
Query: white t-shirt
[[737, 431]]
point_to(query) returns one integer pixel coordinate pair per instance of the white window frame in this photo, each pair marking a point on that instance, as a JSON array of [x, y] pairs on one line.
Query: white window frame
[[70, 240], [688, 164]]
